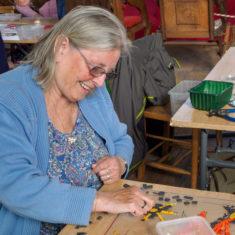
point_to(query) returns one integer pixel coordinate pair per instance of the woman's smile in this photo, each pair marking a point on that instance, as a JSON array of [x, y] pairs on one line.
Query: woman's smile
[[84, 86]]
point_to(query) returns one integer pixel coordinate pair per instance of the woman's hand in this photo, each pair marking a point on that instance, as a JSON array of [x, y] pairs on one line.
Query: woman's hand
[[110, 169], [22, 3], [130, 199]]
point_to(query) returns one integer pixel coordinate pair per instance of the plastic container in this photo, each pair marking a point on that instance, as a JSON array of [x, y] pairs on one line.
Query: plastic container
[[27, 32], [180, 93], [2, 27], [211, 94], [228, 78], [10, 17], [194, 225]]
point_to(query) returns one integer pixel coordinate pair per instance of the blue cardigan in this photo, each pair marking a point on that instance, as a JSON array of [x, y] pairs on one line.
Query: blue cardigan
[[27, 195]]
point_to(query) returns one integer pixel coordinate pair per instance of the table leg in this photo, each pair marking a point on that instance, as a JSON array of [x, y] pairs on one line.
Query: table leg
[[203, 160], [195, 152]]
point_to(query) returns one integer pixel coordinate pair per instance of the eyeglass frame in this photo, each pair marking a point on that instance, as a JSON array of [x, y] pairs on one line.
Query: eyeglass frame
[[109, 75]]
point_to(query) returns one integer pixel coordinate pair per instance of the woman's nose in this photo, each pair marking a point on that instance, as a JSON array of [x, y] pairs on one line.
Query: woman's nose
[[99, 81]]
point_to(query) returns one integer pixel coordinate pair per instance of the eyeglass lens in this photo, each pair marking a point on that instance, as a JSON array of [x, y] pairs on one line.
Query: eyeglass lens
[[97, 71]]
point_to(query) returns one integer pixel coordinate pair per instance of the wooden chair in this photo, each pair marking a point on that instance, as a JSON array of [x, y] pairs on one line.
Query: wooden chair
[[167, 141], [138, 24], [7, 9], [163, 113], [116, 7], [229, 38]]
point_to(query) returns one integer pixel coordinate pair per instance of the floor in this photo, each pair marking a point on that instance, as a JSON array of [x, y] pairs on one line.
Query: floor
[[195, 63]]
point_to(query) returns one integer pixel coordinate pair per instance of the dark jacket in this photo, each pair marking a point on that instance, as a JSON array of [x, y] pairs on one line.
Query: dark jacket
[[145, 76]]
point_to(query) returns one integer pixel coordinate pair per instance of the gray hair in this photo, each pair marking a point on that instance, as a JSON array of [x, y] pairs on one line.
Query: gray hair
[[87, 27]]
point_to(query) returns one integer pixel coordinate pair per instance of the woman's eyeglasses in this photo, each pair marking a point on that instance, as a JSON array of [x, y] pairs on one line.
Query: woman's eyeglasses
[[97, 71]]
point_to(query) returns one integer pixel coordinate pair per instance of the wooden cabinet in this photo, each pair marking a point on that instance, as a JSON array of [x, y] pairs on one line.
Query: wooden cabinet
[[187, 18]]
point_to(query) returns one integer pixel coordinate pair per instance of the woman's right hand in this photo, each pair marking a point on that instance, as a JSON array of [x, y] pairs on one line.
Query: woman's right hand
[[130, 199], [22, 3]]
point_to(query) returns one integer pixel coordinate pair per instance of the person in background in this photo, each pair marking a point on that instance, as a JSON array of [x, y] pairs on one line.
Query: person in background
[[60, 137], [61, 8], [3, 59], [42, 8]]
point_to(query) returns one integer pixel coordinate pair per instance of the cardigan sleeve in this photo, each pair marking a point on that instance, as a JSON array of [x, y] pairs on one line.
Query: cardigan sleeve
[[26, 11], [49, 9]]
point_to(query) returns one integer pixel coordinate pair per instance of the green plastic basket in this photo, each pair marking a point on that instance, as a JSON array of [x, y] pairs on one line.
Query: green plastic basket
[[211, 94]]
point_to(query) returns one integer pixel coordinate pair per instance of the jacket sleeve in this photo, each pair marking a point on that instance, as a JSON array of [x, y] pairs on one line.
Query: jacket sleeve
[[26, 10]]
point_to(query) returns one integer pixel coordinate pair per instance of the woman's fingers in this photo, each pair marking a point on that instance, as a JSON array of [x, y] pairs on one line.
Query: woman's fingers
[[109, 178], [108, 169], [132, 200]]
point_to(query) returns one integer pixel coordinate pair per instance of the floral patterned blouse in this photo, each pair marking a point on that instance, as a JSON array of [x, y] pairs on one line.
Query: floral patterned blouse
[[71, 157]]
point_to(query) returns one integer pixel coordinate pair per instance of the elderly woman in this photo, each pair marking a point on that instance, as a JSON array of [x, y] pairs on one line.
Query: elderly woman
[[60, 137]]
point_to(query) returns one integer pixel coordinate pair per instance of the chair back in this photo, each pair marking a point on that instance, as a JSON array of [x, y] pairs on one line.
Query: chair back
[[70, 4], [189, 19], [141, 7], [7, 9]]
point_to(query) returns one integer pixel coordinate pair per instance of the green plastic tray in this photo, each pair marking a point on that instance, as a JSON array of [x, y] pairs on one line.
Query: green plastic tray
[[211, 94]]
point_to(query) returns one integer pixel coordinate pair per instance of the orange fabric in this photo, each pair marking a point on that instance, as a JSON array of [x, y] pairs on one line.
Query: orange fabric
[[202, 214], [129, 21]]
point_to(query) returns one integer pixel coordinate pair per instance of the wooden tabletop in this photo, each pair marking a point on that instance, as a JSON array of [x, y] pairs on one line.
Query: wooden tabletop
[[30, 21], [108, 224], [188, 117]]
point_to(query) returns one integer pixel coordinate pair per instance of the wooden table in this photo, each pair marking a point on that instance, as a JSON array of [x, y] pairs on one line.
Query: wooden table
[[29, 21], [121, 224], [199, 120]]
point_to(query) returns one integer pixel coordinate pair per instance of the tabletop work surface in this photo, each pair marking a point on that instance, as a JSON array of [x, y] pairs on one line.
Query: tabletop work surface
[[32, 20], [178, 203], [9, 33], [188, 117]]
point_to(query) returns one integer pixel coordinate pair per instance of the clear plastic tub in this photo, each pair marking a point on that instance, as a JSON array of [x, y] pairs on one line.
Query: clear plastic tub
[[10, 17], [2, 27], [180, 93], [194, 225], [27, 32]]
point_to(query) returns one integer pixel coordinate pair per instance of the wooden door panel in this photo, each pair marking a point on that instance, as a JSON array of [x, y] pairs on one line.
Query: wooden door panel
[[185, 18]]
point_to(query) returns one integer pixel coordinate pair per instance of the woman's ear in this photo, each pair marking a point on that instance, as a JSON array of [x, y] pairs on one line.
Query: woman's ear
[[61, 46]]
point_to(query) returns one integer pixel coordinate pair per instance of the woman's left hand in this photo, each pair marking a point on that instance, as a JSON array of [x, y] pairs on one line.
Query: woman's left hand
[[110, 169], [22, 3]]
